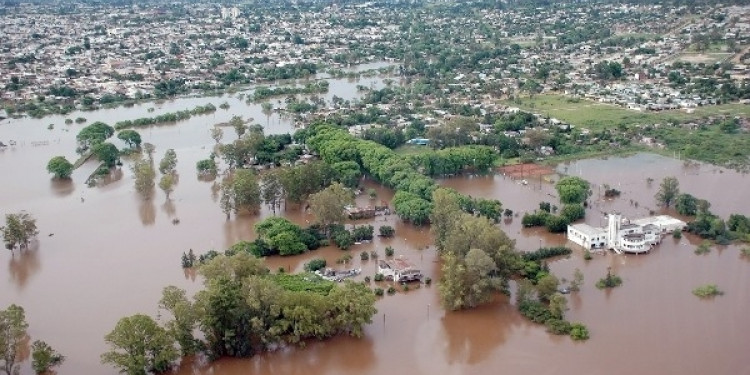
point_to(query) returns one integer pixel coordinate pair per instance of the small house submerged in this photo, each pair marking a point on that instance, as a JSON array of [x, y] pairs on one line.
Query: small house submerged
[[399, 269]]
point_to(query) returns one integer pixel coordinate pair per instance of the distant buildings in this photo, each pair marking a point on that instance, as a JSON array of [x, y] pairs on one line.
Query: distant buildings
[[624, 236], [230, 13]]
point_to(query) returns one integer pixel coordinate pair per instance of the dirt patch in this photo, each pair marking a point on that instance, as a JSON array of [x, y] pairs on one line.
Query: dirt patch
[[525, 170]]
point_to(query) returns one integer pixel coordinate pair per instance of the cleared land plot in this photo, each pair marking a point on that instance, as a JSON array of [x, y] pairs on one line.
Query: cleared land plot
[[526, 170], [596, 116], [706, 58]]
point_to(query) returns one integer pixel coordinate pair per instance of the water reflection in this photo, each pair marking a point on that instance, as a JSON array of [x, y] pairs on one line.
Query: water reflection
[[147, 211], [473, 335], [169, 208], [23, 265], [62, 188]]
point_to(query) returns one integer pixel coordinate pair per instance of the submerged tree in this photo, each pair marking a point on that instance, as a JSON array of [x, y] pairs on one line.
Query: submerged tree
[[43, 357], [328, 204], [168, 164], [166, 184], [19, 229], [669, 189], [140, 346], [131, 137], [144, 177], [60, 167], [12, 333]]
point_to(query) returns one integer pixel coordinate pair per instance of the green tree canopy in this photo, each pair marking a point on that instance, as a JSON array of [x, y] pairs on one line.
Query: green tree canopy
[[107, 153], [60, 167], [328, 204], [572, 189], [139, 346], [94, 134], [13, 328], [19, 229], [669, 189], [131, 137]]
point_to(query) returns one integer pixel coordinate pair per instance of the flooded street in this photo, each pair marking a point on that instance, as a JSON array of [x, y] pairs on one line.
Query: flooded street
[[104, 253]]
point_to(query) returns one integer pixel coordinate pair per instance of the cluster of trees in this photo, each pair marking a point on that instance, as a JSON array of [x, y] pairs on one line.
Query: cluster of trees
[[706, 224], [290, 71], [554, 223], [478, 258], [412, 201], [253, 147], [573, 192], [60, 167], [263, 92], [242, 310], [19, 229], [13, 338], [388, 137], [280, 236], [538, 297], [93, 137], [240, 192], [166, 117], [454, 160]]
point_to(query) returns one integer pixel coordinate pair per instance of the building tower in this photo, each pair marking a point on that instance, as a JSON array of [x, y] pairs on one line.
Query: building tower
[[613, 230]]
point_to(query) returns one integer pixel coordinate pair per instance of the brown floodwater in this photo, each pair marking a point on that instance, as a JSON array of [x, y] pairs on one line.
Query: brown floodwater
[[104, 253]]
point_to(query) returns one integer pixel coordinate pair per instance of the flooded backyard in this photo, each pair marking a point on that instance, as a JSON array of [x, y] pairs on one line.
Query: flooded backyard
[[104, 253]]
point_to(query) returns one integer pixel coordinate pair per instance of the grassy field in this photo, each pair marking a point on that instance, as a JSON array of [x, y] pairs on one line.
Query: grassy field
[[596, 116]]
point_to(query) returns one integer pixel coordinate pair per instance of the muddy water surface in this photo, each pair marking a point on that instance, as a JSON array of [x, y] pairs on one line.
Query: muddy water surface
[[104, 253]]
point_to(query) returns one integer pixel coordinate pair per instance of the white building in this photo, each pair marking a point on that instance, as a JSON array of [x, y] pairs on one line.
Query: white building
[[232, 13], [624, 236], [399, 270]]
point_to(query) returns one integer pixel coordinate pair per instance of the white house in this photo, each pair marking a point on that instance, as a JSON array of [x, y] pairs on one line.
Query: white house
[[624, 236], [399, 269]]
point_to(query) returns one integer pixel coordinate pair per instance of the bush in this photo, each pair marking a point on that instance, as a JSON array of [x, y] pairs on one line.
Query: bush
[[374, 254], [535, 311], [315, 264], [587, 255], [556, 224], [546, 252], [391, 290], [579, 332], [536, 219], [558, 326], [707, 291], [363, 233], [428, 280], [405, 288], [703, 248], [344, 259], [379, 292], [364, 255], [609, 281], [379, 277], [389, 251], [343, 239], [677, 233], [386, 231], [573, 212]]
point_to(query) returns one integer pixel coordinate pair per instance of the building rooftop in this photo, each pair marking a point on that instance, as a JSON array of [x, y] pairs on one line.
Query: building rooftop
[[588, 229]]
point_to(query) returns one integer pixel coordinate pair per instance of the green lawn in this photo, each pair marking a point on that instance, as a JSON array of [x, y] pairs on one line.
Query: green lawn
[[595, 116]]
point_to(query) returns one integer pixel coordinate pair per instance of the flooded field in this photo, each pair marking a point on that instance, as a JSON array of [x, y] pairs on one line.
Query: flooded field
[[104, 253]]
